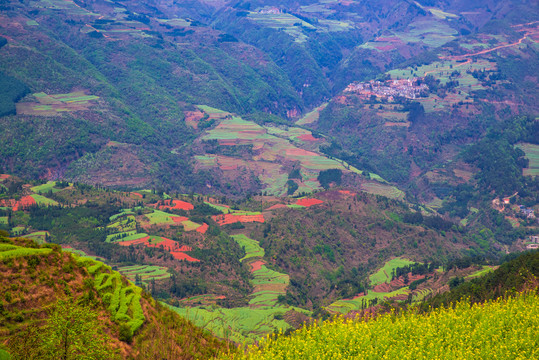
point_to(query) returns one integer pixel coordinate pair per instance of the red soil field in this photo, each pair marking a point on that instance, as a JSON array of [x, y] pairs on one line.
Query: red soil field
[[385, 48], [179, 219], [24, 203], [308, 137], [228, 167], [4, 176], [277, 206], [231, 218], [175, 204], [308, 202], [257, 265], [183, 256], [299, 152], [167, 244], [227, 143], [134, 242], [137, 194], [347, 192], [178, 204], [203, 228]]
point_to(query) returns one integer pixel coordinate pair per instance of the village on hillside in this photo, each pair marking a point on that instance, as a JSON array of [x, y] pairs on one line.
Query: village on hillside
[[408, 88]]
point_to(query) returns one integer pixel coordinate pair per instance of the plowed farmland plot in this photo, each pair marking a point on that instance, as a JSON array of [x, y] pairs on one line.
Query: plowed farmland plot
[[239, 216], [52, 105], [308, 202]]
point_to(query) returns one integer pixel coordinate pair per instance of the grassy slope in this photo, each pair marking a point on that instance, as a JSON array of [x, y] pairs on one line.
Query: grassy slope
[[33, 277]]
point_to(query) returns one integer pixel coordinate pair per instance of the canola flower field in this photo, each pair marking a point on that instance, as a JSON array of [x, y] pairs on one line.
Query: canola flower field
[[502, 329]]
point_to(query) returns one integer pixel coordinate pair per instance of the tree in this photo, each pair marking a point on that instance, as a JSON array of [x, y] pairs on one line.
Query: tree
[[72, 331]]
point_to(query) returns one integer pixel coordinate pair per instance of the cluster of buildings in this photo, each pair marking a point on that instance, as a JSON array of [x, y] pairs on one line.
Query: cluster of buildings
[[533, 242], [408, 88], [270, 10], [528, 213]]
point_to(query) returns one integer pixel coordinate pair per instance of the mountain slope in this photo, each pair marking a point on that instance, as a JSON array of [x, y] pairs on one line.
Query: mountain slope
[[34, 278]]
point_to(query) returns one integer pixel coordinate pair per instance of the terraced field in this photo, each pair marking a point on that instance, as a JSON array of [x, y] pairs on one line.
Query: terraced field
[[121, 297], [146, 272], [251, 247], [383, 189], [10, 251], [380, 277], [384, 274], [271, 148], [263, 315], [52, 105]]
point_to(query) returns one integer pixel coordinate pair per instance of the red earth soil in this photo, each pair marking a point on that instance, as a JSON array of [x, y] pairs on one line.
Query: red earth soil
[[4, 176], [347, 192], [228, 167], [308, 137], [277, 206], [177, 204], [231, 218], [308, 202], [167, 244], [179, 219], [24, 203], [385, 48], [299, 152], [137, 194], [183, 256], [202, 228], [257, 265]]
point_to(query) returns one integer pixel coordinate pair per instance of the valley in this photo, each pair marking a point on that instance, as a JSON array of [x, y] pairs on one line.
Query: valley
[[204, 175]]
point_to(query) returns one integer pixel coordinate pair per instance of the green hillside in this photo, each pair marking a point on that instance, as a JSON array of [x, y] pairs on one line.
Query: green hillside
[[105, 316]]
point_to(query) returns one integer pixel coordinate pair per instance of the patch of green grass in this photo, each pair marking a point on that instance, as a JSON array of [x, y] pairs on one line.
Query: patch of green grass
[[384, 274], [485, 270], [123, 213], [222, 208], [42, 200], [45, 188], [4, 220], [120, 236], [133, 237], [211, 110], [159, 217], [188, 225]]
